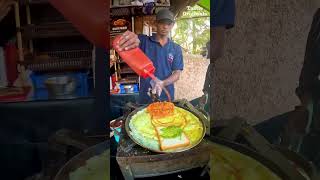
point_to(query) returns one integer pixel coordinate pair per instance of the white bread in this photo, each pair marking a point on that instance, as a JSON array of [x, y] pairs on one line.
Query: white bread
[[172, 143]]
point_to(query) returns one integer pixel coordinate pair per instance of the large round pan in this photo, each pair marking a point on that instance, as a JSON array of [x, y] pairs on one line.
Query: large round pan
[[128, 130], [303, 166], [80, 160]]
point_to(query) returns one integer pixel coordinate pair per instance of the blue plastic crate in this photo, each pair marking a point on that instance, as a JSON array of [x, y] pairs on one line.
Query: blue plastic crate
[[135, 88], [42, 94], [40, 91]]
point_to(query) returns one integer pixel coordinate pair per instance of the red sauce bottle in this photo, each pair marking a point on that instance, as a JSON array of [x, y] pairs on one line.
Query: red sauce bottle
[[136, 60]]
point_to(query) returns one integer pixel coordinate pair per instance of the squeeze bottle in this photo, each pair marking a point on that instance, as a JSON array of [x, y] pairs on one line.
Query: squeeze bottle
[[138, 62], [136, 59]]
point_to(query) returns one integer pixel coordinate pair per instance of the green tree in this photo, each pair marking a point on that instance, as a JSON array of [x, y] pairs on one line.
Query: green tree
[[192, 30]]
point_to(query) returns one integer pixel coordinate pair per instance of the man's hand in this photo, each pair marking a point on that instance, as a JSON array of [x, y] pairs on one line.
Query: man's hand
[[128, 40], [157, 86], [203, 100]]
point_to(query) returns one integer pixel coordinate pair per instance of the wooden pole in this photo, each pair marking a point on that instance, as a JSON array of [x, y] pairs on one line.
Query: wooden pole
[[94, 65], [21, 69], [19, 36], [116, 69], [29, 22]]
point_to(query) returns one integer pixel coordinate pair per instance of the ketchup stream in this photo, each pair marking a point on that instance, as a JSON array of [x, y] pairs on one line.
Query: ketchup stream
[[164, 88]]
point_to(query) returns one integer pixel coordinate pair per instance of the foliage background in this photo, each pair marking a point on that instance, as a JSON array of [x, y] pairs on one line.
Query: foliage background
[[192, 30]]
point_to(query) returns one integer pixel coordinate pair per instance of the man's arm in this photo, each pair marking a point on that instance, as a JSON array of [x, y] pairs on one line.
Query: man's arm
[[158, 85], [216, 51], [310, 70], [223, 17], [177, 67], [217, 42], [175, 76]]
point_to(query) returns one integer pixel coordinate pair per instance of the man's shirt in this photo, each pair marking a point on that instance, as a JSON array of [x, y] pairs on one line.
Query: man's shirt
[[222, 13], [166, 59]]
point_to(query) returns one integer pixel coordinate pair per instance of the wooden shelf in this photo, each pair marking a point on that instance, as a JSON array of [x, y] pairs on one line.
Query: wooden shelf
[[59, 60], [49, 65], [127, 71], [23, 2], [52, 32], [58, 29], [129, 81]]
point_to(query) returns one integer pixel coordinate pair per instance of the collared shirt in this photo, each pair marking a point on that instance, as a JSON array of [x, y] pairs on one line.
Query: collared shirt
[[166, 59], [223, 13]]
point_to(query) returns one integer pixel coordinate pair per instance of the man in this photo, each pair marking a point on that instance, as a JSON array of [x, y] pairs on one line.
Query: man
[[222, 18], [299, 122], [299, 130], [309, 81], [164, 53]]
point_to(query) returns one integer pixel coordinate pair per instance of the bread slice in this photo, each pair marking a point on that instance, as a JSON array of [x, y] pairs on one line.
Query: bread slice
[[172, 143]]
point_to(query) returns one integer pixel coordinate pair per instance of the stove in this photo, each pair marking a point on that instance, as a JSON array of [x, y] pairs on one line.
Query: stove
[[138, 162]]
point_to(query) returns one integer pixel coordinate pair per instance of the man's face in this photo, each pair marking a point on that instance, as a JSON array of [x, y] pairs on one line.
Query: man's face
[[164, 27]]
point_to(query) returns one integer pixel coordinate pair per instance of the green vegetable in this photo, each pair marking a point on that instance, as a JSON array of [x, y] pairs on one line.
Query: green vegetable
[[171, 132]]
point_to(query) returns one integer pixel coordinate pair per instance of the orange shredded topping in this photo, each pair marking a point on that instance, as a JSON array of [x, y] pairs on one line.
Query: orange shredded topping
[[160, 109]]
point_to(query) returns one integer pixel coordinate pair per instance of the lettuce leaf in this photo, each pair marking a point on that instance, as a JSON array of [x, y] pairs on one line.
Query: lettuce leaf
[[171, 132]]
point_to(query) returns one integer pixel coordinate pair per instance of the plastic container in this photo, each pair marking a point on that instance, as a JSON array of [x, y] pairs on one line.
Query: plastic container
[[61, 87], [40, 89], [133, 88], [116, 126], [136, 60]]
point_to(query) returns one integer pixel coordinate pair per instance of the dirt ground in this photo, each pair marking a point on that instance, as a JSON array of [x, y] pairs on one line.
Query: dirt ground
[[192, 78]]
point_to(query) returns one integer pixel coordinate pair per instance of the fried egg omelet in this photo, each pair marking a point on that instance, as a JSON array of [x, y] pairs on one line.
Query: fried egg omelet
[[143, 127]]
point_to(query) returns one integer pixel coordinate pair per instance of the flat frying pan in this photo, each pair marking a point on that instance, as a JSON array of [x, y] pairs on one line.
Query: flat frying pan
[[299, 162], [129, 131], [80, 160]]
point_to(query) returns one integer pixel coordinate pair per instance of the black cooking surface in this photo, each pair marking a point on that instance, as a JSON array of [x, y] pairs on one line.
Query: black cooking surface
[[117, 175]]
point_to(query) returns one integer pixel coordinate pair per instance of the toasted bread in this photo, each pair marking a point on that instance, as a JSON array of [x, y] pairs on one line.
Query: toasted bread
[[172, 143], [159, 110]]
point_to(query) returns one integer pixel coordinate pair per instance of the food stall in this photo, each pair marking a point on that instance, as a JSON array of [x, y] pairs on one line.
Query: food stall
[[148, 145], [138, 157], [136, 17], [139, 18]]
